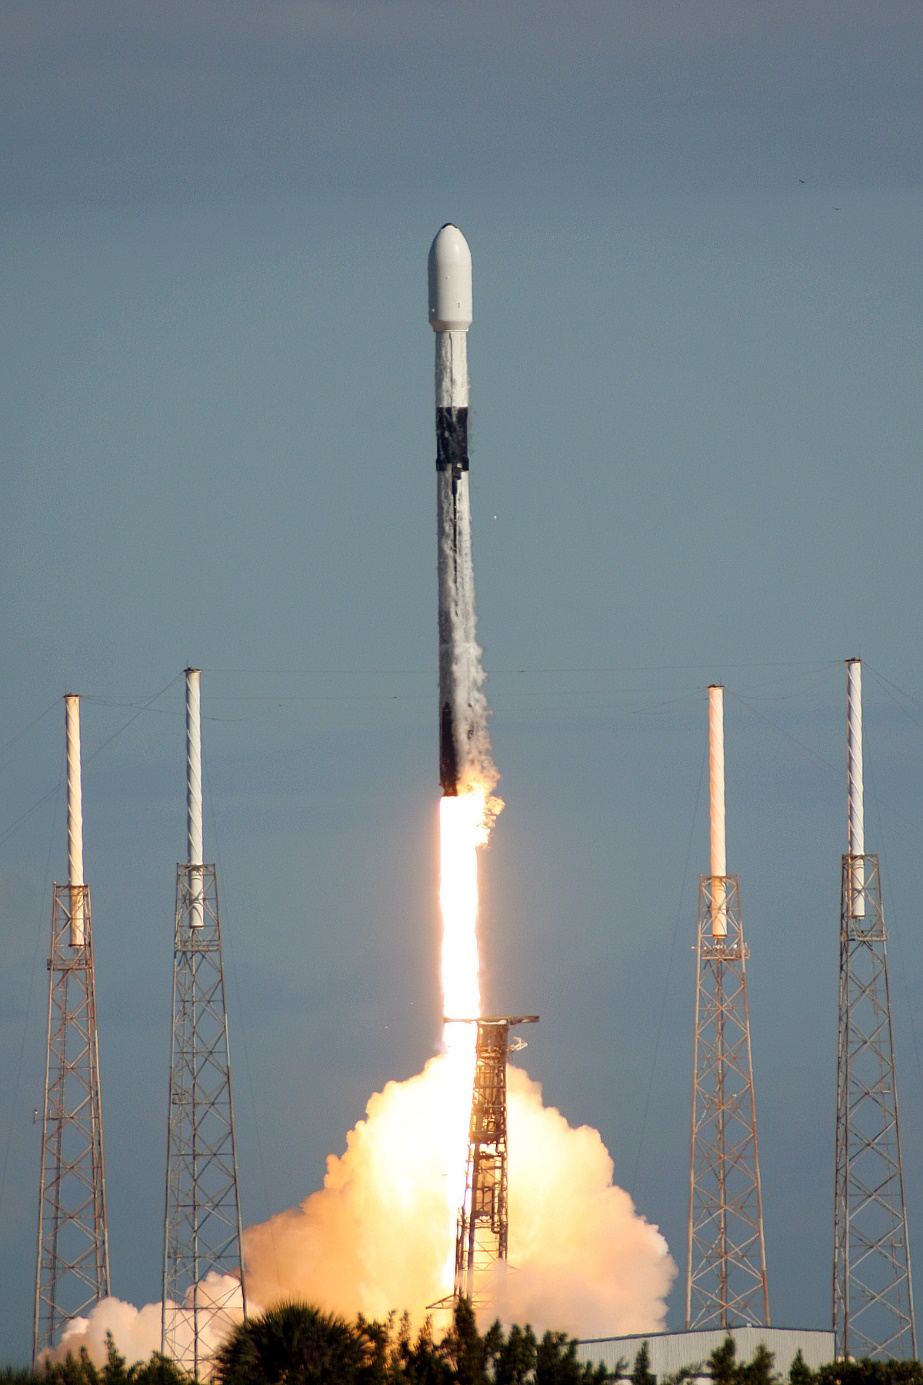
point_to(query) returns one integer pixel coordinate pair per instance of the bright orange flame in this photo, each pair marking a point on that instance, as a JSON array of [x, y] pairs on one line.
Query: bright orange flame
[[462, 829]]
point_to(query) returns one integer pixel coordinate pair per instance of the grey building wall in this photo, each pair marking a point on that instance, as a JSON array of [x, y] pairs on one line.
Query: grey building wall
[[671, 1350]]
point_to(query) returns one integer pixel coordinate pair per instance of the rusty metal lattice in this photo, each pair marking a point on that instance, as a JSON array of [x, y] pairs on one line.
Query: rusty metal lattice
[[872, 1290], [482, 1238], [73, 1250], [203, 1290], [726, 1282]]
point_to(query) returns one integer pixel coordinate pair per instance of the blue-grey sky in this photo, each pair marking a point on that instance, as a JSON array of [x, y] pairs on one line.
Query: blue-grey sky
[[696, 430]]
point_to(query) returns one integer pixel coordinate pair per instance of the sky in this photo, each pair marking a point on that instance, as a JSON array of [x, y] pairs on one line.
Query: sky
[[696, 422]]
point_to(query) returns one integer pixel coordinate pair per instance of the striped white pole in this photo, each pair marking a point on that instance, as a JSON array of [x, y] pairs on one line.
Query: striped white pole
[[855, 810], [194, 795], [716, 804], [74, 818]]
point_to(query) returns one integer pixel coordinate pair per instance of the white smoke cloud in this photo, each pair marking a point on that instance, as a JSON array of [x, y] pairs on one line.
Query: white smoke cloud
[[137, 1331], [585, 1261], [376, 1236]]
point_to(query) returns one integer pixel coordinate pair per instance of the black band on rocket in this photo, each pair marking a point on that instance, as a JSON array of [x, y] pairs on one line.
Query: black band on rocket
[[452, 439], [448, 757]]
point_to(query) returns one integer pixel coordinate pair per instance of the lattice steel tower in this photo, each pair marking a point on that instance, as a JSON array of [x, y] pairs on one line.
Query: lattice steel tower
[[72, 1272], [726, 1282], [872, 1292], [483, 1220], [203, 1287]]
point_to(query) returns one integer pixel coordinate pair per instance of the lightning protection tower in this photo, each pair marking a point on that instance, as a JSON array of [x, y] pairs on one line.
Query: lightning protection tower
[[203, 1285], [872, 1293], [72, 1271], [483, 1220], [726, 1273]]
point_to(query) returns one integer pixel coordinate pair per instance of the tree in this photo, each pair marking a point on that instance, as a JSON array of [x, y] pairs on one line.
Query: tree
[[758, 1371], [293, 1344], [641, 1373], [799, 1372], [722, 1363], [467, 1352], [869, 1372], [160, 1370], [515, 1360], [556, 1363], [73, 1370]]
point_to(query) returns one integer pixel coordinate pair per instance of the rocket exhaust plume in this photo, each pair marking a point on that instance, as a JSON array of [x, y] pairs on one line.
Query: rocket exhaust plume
[[380, 1235]]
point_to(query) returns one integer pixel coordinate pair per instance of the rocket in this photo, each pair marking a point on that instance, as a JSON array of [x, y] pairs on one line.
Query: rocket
[[460, 674]]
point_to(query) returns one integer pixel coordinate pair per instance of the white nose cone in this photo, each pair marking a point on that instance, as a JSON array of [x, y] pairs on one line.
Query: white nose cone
[[449, 281]]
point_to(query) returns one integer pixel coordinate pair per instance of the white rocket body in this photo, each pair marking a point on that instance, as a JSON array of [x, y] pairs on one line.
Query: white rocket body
[[460, 675]]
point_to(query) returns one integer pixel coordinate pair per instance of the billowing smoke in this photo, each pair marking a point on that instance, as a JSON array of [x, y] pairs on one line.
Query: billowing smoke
[[137, 1331], [374, 1238]]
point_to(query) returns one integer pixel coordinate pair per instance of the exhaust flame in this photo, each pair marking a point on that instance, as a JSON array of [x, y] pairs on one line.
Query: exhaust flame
[[462, 829]]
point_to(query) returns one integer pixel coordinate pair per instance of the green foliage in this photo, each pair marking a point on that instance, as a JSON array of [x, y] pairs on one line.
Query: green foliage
[[20, 1375], [641, 1373], [299, 1345], [722, 1364], [556, 1363], [759, 1370], [514, 1362], [73, 1370], [79, 1370], [868, 1372], [160, 1370], [799, 1372], [294, 1344], [467, 1352]]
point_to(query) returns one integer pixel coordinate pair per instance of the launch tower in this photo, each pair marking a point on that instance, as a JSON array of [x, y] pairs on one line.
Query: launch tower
[[72, 1271], [203, 1286], [872, 1293], [483, 1221], [726, 1273]]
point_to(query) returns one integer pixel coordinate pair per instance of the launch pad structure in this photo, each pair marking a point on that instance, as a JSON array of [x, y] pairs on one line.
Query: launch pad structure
[[872, 1289], [203, 1287], [72, 1270], [482, 1239], [726, 1284]]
